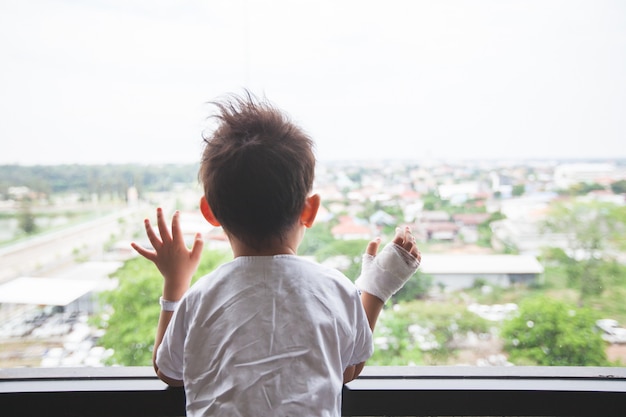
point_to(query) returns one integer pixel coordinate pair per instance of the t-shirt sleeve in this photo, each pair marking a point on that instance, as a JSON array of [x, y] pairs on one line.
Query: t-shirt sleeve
[[169, 358], [363, 339]]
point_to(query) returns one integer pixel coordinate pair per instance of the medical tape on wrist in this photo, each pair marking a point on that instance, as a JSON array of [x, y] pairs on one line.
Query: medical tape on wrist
[[384, 274]]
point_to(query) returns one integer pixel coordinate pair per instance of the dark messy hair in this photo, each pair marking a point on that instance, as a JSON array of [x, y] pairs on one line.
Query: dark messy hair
[[257, 170]]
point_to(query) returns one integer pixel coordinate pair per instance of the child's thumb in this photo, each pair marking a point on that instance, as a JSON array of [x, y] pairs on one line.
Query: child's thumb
[[372, 247]]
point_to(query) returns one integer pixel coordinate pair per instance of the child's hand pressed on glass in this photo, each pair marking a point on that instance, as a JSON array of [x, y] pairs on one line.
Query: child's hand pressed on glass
[[174, 260], [382, 275]]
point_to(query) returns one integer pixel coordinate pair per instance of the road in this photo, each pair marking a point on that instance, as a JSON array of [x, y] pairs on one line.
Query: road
[[36, 256]]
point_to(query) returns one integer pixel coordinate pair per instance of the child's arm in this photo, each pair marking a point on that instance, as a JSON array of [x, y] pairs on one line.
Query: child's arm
[[372, 306], [176, 263], [381, 279]]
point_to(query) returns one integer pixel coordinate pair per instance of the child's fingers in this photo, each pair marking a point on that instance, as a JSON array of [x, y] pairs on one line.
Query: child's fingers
[[372, 247], [399, 238], [148, 254], [152, 237], [196, 249], [405, 239], [176, 231], [162, 224], [409, 240], [408, 236], [411, 246], [416, 253]]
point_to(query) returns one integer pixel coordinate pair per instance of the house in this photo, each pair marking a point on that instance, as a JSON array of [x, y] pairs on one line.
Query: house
[[566, 175], [470, 219], [436, 225], [459, 192], [429, 216], [440, 230], [350, 229], [458, 272], [468, 225], [382, 218]]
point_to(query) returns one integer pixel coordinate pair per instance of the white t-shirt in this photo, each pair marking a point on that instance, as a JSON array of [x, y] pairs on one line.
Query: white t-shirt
[[266, 336]]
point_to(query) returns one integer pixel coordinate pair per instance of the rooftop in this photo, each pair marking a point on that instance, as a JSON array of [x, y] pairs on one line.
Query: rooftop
[[479, 264]]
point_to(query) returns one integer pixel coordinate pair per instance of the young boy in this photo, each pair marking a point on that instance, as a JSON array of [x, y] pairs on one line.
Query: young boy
[[269, 333]]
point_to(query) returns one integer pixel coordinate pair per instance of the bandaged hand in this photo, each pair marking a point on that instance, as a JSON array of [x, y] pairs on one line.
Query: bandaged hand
[[384, 274]]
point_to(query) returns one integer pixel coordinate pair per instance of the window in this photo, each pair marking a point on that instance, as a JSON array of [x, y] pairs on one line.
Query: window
[[494, 129]]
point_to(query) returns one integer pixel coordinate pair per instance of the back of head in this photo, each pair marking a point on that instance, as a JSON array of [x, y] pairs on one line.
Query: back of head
[[257, 170]]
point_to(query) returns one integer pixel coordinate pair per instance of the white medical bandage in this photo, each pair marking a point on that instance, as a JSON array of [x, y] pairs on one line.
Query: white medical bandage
[[167, 305], [384, 274]]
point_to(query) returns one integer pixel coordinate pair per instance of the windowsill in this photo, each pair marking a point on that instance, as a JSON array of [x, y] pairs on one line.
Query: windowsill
[[461, 391]]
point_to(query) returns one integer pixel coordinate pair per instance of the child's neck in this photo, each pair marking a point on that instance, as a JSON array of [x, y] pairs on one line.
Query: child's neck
[[268, 252], [288, 246]]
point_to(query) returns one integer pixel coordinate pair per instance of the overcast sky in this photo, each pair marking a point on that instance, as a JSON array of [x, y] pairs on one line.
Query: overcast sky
[[127, 81]]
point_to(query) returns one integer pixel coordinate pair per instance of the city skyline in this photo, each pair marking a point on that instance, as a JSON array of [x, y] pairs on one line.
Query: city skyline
[[128, 82]]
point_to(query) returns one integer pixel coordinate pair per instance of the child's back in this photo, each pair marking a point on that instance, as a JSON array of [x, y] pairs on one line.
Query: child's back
[[268, 333], [267, 336]]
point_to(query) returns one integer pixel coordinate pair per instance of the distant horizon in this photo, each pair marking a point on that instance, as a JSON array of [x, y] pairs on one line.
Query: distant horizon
[[614, 160]]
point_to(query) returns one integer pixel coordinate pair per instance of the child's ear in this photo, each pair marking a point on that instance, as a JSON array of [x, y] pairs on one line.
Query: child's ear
[[311, 205], [207, 212]]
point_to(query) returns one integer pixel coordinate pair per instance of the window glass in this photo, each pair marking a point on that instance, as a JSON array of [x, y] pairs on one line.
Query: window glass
[[495, 130]]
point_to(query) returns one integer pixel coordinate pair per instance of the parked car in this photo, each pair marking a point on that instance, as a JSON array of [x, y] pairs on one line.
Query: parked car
[[612, 331]]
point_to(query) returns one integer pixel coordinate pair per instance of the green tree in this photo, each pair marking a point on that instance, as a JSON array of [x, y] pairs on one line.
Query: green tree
[[130, 328], [26, 218], [419, 332], [432, 201], [99, 179], [316, 238], [619, 187], [132, 324], [416, 287], [351, 249], [593, 231], [550, 332], [448, 324], [484, 229], [518, 190], [394, 345], [584, 188]]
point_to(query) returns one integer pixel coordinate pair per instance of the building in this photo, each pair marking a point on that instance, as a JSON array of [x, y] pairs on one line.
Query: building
[[566, 175], [458, 272], [350, 229]]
